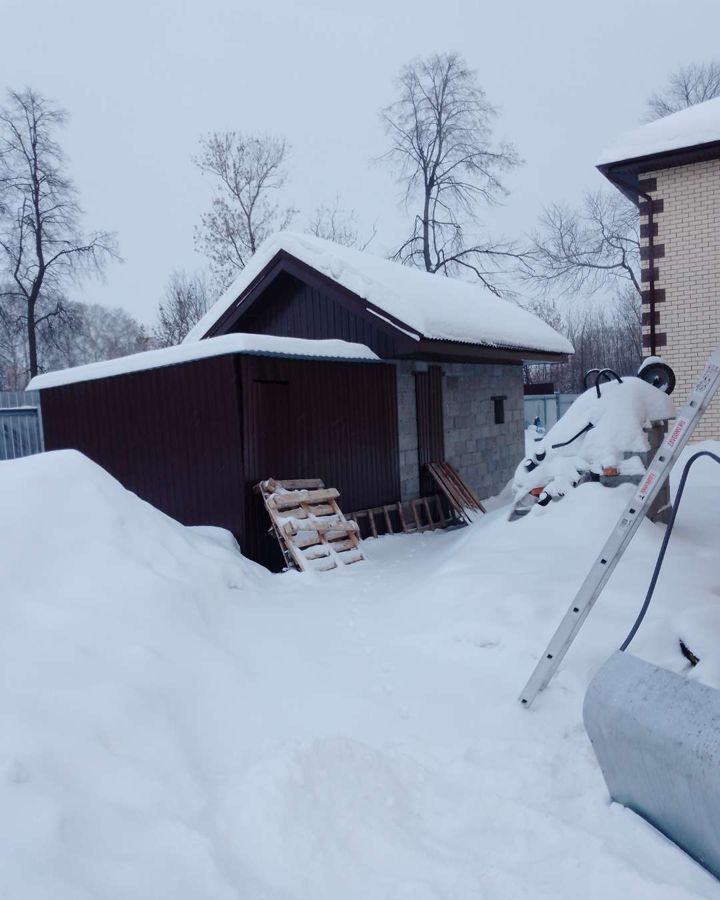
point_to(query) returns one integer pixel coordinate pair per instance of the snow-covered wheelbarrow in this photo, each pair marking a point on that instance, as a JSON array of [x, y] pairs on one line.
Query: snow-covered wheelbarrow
[[657, 739]]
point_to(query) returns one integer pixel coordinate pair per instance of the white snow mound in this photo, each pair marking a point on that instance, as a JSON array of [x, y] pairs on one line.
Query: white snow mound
[[177, 724]]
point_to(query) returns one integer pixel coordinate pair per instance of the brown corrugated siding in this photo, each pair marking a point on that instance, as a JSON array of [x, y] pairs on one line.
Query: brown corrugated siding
[[171, 435], [291, 308], [308, 419], [174, 435]]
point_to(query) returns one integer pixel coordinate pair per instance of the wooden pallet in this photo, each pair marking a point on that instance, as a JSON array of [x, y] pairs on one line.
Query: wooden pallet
[[411, 516], [459, 495], [310, 527]]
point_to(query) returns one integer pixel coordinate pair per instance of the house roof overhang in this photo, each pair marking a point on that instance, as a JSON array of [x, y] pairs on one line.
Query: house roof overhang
[[625, 174], [410, 342]]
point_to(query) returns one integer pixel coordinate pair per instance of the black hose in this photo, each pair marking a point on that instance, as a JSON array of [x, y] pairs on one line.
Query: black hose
[[608, 373], [663, 547], [574, 438]]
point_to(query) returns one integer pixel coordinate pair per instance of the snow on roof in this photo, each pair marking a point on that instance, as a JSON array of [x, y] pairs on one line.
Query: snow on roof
[[699, 124], [254, 344], [434, 306]]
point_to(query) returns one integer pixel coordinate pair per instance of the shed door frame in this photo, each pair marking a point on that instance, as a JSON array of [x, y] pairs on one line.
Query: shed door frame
[[430, 422]]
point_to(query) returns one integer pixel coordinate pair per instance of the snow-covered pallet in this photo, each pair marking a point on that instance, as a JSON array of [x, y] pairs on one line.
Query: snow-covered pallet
[[312, 531]]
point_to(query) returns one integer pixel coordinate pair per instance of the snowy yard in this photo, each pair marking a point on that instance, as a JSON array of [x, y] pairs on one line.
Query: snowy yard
[[178, 723]]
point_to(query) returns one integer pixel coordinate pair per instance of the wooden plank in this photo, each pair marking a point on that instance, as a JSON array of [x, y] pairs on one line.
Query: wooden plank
[[295, 484], [447, 489], [339, 546], [321, 509], [414, 505], [388, 523], [318, 551], [371, 519], [445, 520], [305, 539], [431, 523], [401, 516], [295, 498]]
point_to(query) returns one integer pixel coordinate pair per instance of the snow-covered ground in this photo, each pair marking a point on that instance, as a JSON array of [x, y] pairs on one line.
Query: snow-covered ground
[[177, 723]]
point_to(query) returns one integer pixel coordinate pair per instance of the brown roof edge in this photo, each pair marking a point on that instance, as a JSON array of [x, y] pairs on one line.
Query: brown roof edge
[[625, 170], [456, 351], [286, 262], [283, 261]]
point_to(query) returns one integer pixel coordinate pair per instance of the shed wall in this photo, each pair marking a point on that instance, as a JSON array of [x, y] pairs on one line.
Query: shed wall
[[170, 435], [485, 453], [291, 308], [174, 435], [331, 420]]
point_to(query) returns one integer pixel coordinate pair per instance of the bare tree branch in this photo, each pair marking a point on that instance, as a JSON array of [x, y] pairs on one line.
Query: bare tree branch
[[691, 84], [440, 145], [185, 302], [336, 224], [248, 171], [42, 248], [582, 251]]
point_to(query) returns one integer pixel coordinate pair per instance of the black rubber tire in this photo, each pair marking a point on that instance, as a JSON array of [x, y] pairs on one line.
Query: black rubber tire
[[659, 375]]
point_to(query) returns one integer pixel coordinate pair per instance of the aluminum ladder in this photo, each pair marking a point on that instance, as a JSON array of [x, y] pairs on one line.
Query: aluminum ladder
[[629, 522]]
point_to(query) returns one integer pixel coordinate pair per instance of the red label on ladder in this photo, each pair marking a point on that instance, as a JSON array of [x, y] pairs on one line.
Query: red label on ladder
[[647, 484], [680, 426]]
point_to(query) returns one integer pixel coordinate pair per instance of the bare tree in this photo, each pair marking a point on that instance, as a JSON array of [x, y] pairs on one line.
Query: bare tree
[[42, 247], [333, 223], [248, 172], [440, 130], [603, 334], [596, 247], [184, 304], [691, 84], [91, 333], [13, 352]]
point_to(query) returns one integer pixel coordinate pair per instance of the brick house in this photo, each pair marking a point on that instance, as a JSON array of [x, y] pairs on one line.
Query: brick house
[[671, 169]]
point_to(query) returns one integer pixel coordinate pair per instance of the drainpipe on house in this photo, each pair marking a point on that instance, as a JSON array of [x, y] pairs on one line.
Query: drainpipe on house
[[651, 246]]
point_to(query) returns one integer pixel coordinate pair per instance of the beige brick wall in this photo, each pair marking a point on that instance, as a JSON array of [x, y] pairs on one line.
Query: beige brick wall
[[689, 228]]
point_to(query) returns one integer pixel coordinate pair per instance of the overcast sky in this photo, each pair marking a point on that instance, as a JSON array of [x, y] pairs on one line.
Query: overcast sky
[[143, 80]]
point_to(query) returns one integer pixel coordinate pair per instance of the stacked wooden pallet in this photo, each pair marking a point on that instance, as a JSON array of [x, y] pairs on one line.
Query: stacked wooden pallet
[[312, 531]]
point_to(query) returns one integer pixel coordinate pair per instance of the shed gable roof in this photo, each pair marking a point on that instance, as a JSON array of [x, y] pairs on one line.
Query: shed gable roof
[[411, 303]]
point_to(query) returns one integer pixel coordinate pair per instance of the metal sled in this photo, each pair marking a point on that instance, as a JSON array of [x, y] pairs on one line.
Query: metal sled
[[657, 739]]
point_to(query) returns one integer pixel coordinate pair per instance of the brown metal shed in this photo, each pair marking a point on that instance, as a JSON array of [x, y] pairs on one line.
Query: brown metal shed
[[192, 438]]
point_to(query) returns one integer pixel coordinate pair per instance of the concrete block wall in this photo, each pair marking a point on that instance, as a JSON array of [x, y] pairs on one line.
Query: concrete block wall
[[688, 229], [407, 428], [485, 454]]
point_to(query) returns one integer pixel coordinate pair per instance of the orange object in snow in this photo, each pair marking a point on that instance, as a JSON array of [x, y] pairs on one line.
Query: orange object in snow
[[610, 471], [536, 491]]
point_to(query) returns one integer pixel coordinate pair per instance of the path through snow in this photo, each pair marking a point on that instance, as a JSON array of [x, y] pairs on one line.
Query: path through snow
[[180, 724]]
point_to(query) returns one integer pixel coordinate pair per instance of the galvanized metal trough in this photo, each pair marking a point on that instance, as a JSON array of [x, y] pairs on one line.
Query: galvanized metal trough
[[657, 739]]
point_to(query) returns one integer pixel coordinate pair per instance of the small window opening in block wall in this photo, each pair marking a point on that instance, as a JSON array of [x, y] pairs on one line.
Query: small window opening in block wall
[[499, 409]]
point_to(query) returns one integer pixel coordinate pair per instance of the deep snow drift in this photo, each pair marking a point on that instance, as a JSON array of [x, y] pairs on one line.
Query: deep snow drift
[[177, 723]]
